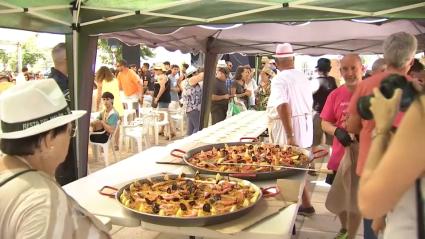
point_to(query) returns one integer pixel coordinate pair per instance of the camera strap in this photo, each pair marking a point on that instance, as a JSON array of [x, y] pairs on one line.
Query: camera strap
[[420, 209], [16, 175]]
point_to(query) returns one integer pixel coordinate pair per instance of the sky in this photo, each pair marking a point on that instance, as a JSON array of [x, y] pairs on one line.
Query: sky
[[9, 38]]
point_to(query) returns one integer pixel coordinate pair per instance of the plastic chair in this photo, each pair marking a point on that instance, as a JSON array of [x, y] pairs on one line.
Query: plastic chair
[[105, 146], [155, 122], [138, 133], [178, 117], [128, 110]]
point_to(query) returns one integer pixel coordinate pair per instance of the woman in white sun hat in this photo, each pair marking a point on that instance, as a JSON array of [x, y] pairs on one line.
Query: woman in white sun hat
[[36, 125]]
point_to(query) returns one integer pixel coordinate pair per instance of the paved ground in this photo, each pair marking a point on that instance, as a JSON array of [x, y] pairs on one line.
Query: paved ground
[[322, 225]]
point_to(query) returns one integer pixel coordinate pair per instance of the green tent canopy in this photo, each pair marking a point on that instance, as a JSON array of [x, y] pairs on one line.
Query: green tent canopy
[[101, 16]]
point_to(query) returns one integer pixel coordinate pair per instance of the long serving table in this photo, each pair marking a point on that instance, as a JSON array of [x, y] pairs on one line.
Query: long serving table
[[246, 124]]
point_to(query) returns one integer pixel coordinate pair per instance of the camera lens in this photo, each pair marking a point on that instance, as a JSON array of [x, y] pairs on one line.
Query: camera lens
[[363, 107]]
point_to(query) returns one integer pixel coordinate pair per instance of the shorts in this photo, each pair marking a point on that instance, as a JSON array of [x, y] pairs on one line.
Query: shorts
[[318, 132], [163, 105]]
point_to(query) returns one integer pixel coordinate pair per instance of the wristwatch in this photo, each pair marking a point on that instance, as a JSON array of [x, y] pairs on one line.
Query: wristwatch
[[290, 135]]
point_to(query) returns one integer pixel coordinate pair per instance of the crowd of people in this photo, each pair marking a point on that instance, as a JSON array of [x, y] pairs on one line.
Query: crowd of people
[[377, 171], [376, 163]]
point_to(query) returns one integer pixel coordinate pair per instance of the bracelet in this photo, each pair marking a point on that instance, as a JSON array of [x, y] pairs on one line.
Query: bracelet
[[290, 135], [378, 132]]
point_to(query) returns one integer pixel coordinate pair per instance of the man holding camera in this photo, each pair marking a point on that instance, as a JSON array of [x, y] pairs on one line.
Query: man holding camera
[[341, 198], [399, 51]]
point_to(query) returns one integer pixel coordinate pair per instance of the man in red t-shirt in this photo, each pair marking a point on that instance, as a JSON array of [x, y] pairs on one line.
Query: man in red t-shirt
[[334, 115], [399, 51]]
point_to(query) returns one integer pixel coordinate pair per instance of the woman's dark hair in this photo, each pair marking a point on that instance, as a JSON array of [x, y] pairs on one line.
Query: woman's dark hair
[[104, 74], [239, 71], [28, 145]]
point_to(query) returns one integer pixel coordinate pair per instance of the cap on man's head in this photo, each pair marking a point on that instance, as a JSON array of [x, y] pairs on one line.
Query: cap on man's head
[[324, 65], [284, 50], [107, 95]]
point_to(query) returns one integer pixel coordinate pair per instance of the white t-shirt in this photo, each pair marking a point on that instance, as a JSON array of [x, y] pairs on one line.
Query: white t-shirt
[[293, 87], [402, 221], [32, 205], [252, 86]]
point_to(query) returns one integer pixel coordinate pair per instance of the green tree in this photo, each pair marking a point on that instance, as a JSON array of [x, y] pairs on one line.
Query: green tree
[[4, 58], [146, 52], [31, 53], [108, 53]]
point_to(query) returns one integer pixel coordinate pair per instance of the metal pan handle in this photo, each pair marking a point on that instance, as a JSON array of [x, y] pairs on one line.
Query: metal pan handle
[[108, 194], [253, 139], [243, 175], [174, 151], [270, 191]]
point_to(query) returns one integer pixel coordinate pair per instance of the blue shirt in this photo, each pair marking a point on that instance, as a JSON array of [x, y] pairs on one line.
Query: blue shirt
[[173, 81], [229, 83]]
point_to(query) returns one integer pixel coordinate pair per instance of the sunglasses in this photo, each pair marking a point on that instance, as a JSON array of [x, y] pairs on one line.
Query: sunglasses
[[73, 130]]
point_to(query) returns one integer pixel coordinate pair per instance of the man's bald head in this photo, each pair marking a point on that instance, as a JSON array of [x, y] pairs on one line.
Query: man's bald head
[[351, 69]]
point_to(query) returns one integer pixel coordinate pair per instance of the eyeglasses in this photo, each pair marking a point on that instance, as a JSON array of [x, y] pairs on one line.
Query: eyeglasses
[[73, 130]]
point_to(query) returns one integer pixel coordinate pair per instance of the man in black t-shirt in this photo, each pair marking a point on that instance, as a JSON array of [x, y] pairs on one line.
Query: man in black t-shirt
[[220, 97], [148, 80], [326, 85], [66, 172]]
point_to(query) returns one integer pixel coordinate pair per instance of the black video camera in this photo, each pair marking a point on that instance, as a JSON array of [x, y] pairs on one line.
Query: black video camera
[[387, 88]]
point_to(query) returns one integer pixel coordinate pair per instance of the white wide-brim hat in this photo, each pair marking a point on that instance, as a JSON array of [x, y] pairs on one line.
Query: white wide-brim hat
[[221, 63], [191, 70], [284, 50], [34, 107]]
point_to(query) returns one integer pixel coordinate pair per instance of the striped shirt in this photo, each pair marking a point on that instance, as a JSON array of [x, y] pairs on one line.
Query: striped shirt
[[32, 205]]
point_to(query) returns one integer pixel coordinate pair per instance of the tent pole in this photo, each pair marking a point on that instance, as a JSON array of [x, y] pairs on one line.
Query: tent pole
[[256, 67], [208, 85], [75, 92]]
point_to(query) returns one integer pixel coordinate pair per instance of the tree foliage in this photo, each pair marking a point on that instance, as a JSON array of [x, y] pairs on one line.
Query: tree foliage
[[31, 53], [110, 54], [4, 57]]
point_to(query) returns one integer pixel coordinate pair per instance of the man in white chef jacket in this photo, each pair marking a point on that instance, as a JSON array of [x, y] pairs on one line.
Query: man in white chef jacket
[[291, 102], [290, 108]]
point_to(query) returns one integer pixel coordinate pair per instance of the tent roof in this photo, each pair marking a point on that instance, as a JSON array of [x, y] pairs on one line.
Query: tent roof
[[307, 38], [101, 16]]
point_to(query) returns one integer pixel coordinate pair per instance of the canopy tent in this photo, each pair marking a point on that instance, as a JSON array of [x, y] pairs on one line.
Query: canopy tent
[[99, 16], [81, 20], [306, 38]]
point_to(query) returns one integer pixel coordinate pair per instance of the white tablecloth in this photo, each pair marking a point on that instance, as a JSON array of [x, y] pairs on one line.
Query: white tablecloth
[[249, 123]]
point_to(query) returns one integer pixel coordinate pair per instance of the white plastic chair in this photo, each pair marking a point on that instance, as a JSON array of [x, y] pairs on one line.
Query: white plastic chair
[[105, 146], [178, 117], [128, 110], [139, 133], [155, 122]]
